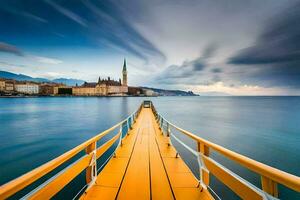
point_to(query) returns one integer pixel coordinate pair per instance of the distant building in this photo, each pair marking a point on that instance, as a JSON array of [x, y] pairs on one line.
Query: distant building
[[2, 85], [48, 88], [87, 89], [62, 90], [104, 86], [124, 73], [9, 86], [27, 87], [135, 91]]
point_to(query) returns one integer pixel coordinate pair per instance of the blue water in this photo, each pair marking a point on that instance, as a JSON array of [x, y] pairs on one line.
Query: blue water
[[36, 130]]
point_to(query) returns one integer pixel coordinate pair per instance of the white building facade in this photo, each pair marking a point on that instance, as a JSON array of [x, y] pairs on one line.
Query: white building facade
[[27, 88]]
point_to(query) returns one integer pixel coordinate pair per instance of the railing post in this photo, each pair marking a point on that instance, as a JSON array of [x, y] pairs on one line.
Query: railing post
[[91, 170], [168, 130], [121, 134], [128, 126], [131, 122], [203, 149], [269, 186], [204, 173], [160, 122]]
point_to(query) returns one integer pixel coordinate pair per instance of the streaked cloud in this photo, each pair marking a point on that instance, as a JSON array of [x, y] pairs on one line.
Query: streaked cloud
[[278, 43], [276, 52], [33, 17], [117, 32], [8, 48], [47, 60], [68, 13]]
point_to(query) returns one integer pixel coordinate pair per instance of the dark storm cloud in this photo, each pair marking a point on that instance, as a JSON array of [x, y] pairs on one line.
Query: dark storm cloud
[[216, 70], [7, 48], [188, 71], [85, 23], [276, 53], [210, 50]]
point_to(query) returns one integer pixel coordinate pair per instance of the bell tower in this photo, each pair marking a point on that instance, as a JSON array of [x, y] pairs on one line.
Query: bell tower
[[124, 72]]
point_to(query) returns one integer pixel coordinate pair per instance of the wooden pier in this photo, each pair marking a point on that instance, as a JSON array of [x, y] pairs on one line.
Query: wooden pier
[[145, 165]]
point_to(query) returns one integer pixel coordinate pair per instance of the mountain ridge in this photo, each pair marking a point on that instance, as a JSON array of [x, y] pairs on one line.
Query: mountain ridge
[[22, 77], [164, 92]]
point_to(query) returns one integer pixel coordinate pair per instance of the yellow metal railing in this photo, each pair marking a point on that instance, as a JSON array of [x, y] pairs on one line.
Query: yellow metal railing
[[270, 176], [87, 162]]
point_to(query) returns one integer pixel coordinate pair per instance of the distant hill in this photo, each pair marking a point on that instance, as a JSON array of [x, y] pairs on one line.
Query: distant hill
[[68, 81], [22, 77], [214, 94], [163, 92]]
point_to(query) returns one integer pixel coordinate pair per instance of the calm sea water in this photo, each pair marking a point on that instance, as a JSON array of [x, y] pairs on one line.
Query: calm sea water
[[36, 130]]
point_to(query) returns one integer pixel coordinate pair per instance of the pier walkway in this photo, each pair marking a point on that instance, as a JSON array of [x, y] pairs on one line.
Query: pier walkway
[[146, 167]]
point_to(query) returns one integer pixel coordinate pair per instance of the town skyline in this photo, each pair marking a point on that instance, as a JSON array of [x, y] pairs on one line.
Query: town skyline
[[13, 85], [239, 48]]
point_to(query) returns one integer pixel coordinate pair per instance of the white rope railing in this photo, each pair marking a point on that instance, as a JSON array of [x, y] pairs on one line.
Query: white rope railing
[[163, 123]]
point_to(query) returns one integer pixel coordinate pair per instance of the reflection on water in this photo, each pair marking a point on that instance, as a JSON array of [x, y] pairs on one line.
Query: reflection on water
[[35, 130]]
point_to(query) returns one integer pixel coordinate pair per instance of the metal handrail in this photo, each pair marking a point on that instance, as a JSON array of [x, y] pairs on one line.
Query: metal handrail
[[25, 180], [270, 176]]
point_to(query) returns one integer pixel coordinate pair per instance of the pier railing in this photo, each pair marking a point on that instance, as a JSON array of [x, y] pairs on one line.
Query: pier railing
[[87, 162], [270, 176]]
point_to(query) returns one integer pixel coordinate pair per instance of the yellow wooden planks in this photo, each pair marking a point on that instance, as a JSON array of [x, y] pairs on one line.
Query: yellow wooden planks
[[160, 186], [184, 184], [136, 184], [146, 167], [110, 178], [101, 192]]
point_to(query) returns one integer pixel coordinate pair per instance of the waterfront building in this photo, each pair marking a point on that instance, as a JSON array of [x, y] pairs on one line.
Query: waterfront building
[[9, 85], [87, 89], [62, 90], [48, 88], [2, 84], [135, 91], [27, 87], [104, 87]]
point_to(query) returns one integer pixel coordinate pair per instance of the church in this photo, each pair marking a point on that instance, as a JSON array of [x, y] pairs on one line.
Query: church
[[104, 87]]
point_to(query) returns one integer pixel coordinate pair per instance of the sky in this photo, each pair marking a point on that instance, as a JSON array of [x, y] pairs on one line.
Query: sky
[[236, 47]]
